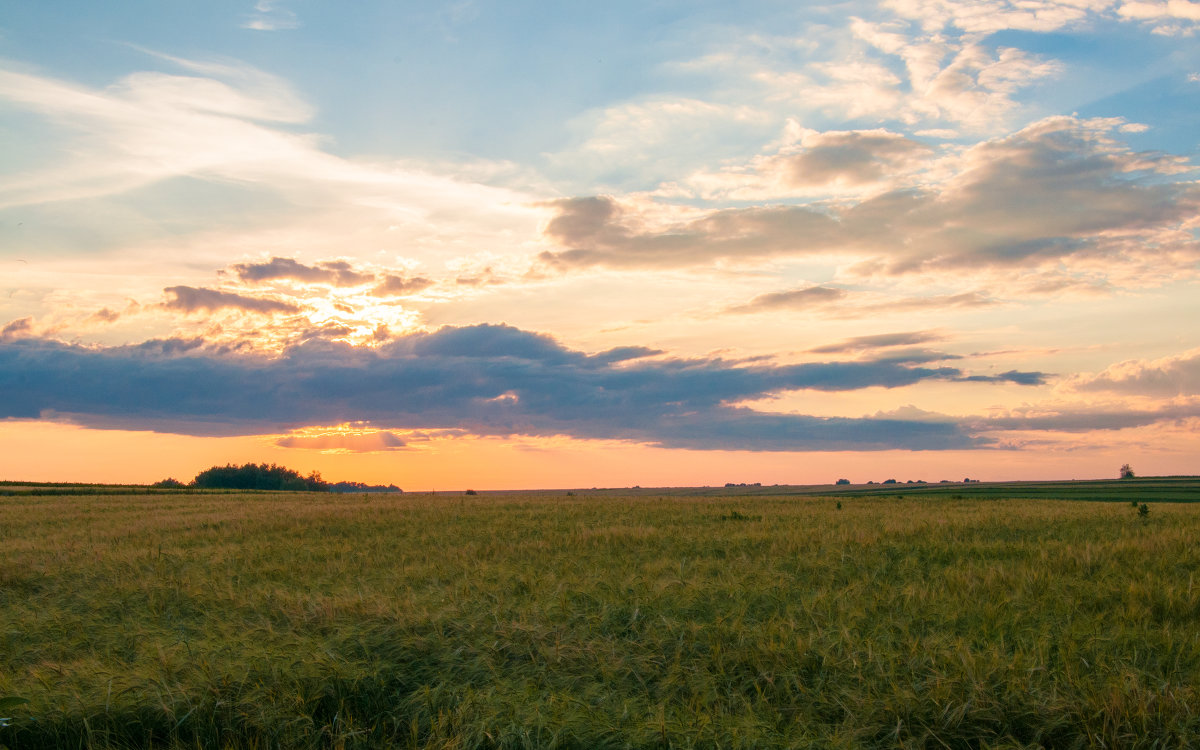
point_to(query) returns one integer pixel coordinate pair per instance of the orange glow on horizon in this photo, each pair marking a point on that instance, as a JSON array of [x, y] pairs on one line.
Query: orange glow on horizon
[[444, 460]]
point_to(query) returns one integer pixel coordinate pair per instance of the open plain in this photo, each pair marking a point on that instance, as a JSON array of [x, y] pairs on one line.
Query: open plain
[[926, 616]]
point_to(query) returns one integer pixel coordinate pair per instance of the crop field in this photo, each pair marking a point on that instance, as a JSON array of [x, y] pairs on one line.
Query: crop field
[[922, 618]]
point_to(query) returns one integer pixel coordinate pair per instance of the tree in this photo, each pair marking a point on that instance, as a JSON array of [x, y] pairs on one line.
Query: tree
[[259, 477], [1126, 471]]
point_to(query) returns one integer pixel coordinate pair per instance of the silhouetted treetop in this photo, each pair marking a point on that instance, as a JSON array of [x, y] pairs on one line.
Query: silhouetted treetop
[[259, 477]]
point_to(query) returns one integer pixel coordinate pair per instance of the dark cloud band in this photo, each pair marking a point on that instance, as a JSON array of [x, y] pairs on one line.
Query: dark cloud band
[[492, 380]]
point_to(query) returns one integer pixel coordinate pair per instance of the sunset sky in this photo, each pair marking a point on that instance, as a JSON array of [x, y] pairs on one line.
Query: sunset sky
[[529, 245]]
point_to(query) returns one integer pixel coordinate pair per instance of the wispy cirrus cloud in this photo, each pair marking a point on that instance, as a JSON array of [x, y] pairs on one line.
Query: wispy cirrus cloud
[[805, 298], [269, 15], [232, 126], [879, 341], [1082, 419], [835, 302]]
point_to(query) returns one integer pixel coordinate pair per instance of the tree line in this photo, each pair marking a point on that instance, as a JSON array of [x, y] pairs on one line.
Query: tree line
[[252, 477], [268, 477]]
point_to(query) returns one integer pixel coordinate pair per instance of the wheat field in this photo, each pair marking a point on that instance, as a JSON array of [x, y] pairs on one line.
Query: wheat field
[[272, 620]]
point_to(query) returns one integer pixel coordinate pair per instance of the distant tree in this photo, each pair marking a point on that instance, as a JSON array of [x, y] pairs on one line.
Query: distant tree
[[889, 481], [346, 487], [842, 481], [259, 477], [1126, 471], [168, 484]]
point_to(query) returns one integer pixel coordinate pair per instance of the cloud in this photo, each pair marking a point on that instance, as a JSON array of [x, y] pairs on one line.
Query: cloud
[[192, 299], [841, 303], [345, 442], [853, 157], [167, 347], [1168, 377], [104, 315], [18, 327], [485, 277], [268, 16], [598, 232], [1060, 189], [1012, 376], [987, 16], [812, 163], [1171, 17], [392, 285], [486, 379], [654, 138], [335, 273], [151, 125], [955, 80], [231, 125], [1082, 419], [793, 299], [879, 341]]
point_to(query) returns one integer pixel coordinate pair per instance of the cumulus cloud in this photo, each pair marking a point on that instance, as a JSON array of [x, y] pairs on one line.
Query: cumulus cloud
[[335, 273], [1060, 189], [492, 380], [391, 285], [1170, 17], [954, 79], [853, 157], [104, 315], [18, 327], [195, 299], [987, 16], [813, 163], [598, 232], [1168, 377]]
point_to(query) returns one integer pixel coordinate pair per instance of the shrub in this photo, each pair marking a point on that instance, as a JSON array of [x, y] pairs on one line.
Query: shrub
[[168, 484]]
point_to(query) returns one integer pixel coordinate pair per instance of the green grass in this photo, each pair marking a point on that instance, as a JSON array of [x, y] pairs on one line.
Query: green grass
[[274, 620]]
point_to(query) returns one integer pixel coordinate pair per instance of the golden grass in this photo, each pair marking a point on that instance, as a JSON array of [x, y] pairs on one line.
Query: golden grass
[[254, 620]]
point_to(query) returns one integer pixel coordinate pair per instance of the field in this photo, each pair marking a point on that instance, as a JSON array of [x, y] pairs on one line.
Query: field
[[911, 616]]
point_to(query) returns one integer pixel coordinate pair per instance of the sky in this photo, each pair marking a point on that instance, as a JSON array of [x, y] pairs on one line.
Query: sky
[[503, 245]]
